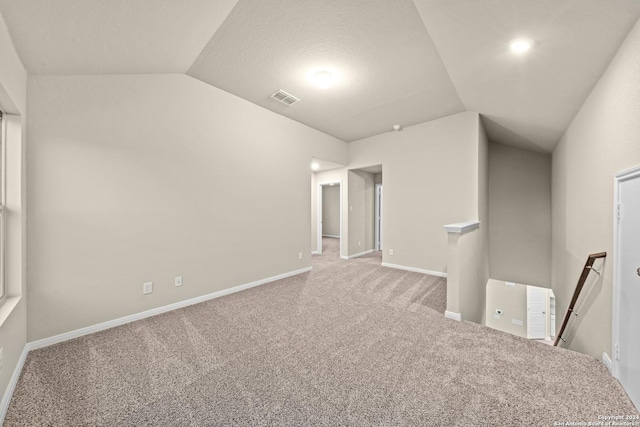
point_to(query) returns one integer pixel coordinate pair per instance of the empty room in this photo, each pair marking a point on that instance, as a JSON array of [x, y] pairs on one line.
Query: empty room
[[300, 213]]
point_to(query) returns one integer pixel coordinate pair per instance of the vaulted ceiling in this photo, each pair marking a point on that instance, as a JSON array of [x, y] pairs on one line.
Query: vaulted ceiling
[[393, 61]]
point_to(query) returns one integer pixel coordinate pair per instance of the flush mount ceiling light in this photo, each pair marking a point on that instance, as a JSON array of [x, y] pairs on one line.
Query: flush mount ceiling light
[[520, 45], [322, 79], [315, 166]]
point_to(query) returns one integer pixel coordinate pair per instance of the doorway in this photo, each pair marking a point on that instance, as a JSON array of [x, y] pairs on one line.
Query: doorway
[[626, 282], [378, 222], [329, 213], [536, 312]]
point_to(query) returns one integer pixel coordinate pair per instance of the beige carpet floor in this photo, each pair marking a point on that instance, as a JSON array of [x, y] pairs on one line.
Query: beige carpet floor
[[350, 343]]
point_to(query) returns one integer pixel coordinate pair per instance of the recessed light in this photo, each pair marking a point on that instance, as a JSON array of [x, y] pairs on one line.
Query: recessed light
[[521, 45], [322, 79], [315, 166]]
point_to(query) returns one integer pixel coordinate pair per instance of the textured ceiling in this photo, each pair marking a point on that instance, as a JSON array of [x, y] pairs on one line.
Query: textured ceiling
[[112, 36], [390, 71], [527, 100], [396, 61]]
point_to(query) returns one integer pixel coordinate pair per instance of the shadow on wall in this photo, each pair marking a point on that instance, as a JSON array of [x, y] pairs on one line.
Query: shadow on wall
[[506, 136], [590, 293]]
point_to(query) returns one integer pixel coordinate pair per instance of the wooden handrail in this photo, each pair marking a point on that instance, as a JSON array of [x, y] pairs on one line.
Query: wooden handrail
[[588, 266]]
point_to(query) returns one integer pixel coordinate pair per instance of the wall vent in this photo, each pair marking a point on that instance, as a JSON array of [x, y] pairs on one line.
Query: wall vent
[[284, 97]]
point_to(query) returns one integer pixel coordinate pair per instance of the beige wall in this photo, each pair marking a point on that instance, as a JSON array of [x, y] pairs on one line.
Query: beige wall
[[331, 210], [468, 252], [13, 313], [485, 229], [520, 215], [146, 177], [603, 139], [512, 300], [361, 212], [430, 179]]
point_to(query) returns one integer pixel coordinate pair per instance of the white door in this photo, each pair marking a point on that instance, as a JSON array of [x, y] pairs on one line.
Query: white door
[[628, 289], [536, 312], [378, 217], [319, 225]]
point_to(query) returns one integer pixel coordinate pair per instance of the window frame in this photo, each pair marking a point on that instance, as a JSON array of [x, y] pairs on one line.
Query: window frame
[[3, 209]]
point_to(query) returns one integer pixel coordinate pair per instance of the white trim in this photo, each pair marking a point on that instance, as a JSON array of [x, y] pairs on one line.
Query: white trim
[[378, 217], [6, 307], [159, 310], [628, 174], [8, 393], [330, 235], [319, 215], [344, 257], [359, 254], [606, 360], [6, 398], [315, 253], [453, 316], [462, 227], [415, 270], [3, 212], [615, 321]]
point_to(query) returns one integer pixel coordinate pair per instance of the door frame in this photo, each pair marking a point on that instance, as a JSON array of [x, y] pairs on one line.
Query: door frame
[[619, 178], [378, 219], [540, 291], [319, 214]]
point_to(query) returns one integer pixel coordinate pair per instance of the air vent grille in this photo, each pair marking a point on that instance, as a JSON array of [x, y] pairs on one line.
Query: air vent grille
[[284, 97]]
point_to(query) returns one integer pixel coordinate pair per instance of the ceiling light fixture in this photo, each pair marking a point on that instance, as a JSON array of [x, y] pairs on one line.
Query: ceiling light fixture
[[322, 79], [520, 45], [315, 166]]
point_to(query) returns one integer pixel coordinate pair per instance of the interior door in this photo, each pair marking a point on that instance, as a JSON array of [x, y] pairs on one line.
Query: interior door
[[378, 233], [628, 349], [536, 312]]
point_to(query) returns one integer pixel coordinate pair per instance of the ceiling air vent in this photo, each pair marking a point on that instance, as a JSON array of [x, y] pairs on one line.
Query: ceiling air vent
[[284, 97]]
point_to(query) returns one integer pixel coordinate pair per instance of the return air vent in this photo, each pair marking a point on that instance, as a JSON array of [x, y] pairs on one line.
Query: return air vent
[[284, 97]]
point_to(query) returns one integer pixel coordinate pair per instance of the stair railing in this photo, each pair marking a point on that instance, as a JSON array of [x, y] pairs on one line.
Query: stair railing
[[588, 267]]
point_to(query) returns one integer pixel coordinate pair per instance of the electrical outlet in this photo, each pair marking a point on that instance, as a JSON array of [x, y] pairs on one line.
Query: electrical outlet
[[359, 242], [390, 251], [299, 255], [178, 281], [147, 287]]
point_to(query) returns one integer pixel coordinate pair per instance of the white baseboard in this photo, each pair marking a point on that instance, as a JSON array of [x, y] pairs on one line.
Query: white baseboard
[[6, 398], [315, 252], [453, 316], [153, 312], [330, 235], [344, 257], [415, 270], [606, 360], [359, 254]]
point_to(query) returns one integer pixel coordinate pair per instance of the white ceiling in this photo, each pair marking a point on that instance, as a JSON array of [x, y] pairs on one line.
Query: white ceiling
[[112, 36], [390, 70], [527, 100], [398, 62]]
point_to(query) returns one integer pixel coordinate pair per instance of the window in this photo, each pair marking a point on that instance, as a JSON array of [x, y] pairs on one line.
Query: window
[[2, 207]]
